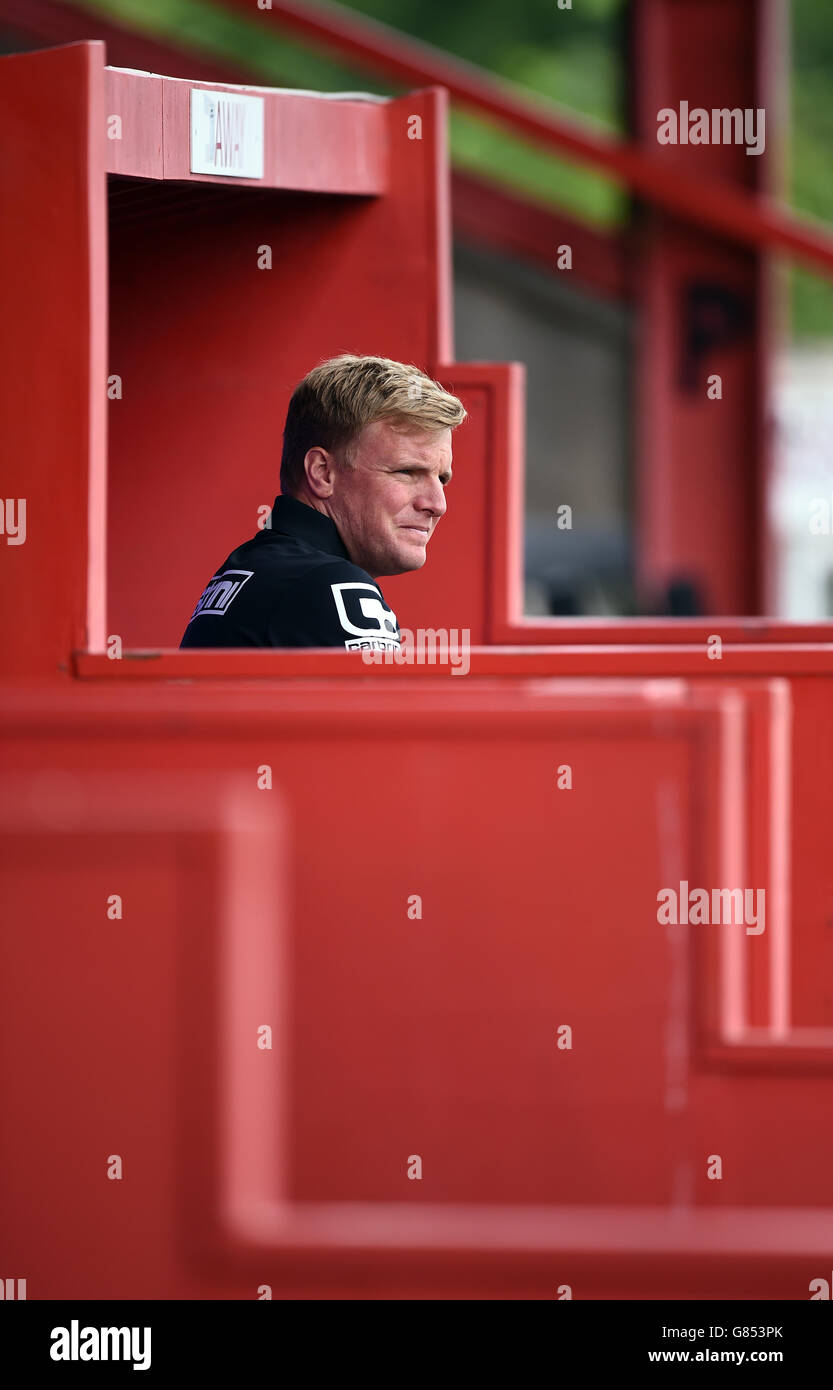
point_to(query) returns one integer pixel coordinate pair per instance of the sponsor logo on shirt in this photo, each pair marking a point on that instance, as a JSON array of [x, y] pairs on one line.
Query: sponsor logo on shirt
[[363, 612], [373, 644], [220, 592]]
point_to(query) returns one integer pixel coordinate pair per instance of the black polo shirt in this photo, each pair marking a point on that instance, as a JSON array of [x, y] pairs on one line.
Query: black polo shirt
[[292, 585]]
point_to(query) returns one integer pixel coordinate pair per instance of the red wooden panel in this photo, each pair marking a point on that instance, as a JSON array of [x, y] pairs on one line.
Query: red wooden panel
[[312, 143], [53, 288], [710, 203], [612, 661], [393, 1036], [131, 1035], [702, 462], [765, 996], [209, 348], [811, 816], [114, 1063], [487, 215], [136, 99], [45, 22], [714, 206], [634, 632]]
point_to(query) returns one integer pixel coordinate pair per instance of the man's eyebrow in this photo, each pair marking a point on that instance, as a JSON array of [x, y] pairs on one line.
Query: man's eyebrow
[[420, 468]]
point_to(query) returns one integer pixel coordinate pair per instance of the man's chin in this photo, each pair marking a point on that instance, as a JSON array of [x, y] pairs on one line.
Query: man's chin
[[402, 562], [414, 559]]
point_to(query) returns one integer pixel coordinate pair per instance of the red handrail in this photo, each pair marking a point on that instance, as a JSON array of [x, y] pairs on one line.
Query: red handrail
[[718, 207]]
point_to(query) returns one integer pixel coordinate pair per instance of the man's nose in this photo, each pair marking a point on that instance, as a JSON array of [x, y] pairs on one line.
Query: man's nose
[[432, 498]]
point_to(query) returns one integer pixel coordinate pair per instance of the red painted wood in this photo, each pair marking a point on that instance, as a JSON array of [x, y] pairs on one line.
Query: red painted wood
[[485, 215], [662, 661], [714, 206], [660, 631], [705, 202], [442, 1045], [392, 1035], [504, 542], [53, 287], [136, 99], [210, 347], [701, 463], [58, 22], [312, 144]]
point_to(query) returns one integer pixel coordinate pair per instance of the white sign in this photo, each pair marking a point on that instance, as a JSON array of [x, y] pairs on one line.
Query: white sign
[[226, 134]]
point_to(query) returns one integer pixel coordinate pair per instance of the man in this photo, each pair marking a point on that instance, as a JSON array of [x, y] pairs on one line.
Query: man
[[366, 460]]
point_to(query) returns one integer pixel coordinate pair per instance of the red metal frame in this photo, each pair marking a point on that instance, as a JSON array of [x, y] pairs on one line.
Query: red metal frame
[[482, 213], [230, 864], [150, 750], [495, 473], [711, 205], [489, 216], [701, 464], [322, 156], [665, 661], [53, 251]]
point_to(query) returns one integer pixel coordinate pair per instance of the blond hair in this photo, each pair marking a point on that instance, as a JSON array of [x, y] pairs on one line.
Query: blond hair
[[334, 402]]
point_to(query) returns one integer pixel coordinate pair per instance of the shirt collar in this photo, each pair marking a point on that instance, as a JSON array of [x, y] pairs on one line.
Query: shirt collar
[[293, 518]]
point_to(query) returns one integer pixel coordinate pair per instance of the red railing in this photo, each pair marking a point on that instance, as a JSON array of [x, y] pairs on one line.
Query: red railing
[[717, 207]]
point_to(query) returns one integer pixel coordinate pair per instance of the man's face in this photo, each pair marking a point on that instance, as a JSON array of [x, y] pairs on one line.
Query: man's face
[[387, 505]]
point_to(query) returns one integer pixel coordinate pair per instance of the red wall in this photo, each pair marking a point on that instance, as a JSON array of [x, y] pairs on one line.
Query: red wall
[[245, 906]]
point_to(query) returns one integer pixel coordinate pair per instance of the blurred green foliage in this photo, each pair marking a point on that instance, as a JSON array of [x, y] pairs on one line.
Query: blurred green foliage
[[572, 57], [810, 152]]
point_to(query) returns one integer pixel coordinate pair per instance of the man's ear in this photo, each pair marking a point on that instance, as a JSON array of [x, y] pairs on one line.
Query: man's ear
[[320, 469]]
